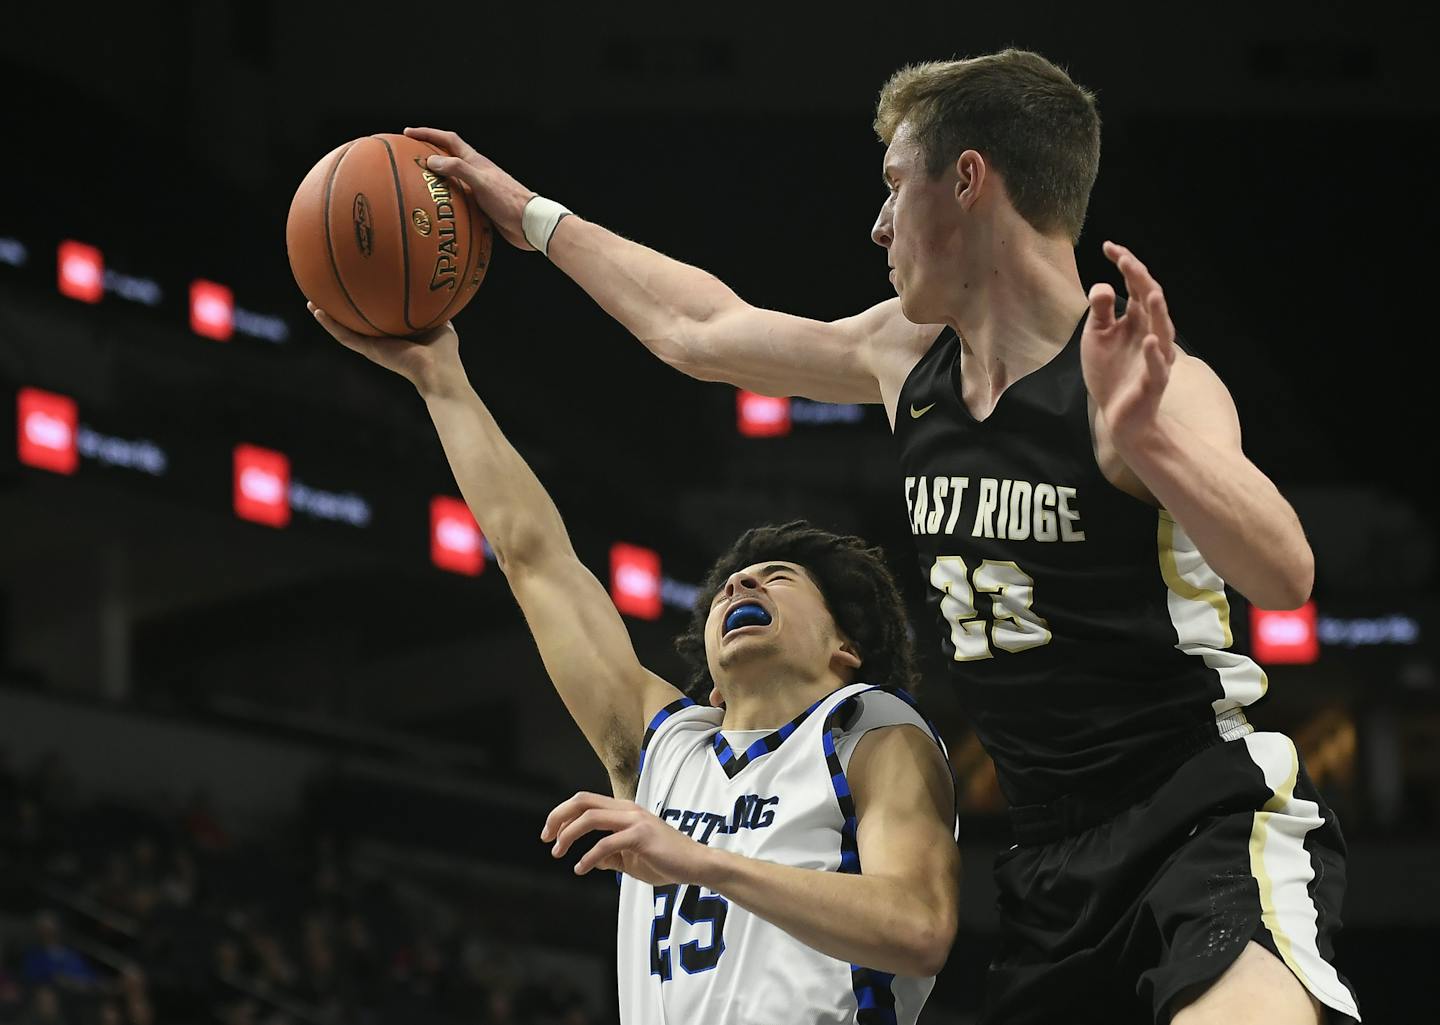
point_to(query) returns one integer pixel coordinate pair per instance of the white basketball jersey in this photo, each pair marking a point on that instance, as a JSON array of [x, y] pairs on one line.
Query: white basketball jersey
[[687, 956]]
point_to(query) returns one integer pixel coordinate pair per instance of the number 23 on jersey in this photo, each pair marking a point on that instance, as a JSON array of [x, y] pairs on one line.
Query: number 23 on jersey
[[1013, 624]]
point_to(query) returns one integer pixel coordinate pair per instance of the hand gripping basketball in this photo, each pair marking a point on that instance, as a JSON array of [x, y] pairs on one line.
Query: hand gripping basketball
[[426, 361], [501, 197]]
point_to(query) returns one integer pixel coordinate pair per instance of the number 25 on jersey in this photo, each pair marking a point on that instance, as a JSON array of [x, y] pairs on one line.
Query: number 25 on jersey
[[696, 908]]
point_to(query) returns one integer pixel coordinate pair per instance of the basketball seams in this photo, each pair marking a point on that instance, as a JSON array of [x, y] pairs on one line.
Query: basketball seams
[[329, 243], [324, 264], [404, 235]]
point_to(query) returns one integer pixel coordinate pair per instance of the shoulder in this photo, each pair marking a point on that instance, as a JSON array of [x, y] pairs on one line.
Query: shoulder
[[884, 728], [681, 716], [893, 744], [680, 724], [902, 765], [890, 345], [669, 734], [1199, 399], [887, 338]]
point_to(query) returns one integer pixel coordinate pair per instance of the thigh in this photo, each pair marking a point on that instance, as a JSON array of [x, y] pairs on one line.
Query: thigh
[[1257, 989], [1264, 880]]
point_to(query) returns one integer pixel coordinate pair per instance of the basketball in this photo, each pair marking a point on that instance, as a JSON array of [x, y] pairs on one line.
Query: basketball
[[381, 243]]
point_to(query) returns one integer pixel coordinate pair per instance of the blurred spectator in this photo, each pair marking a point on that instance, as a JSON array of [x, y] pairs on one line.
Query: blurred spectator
[[178, 884], [52, 784], [145, 874], [135, 995], [200, 823], [9, 782], [28, 840], [114, 887], [318, 957], [241, 1012], [222, 929], [576, 1014], [229, 964], [11, 995], [51, 962], [277, 972], [44, 1009], [500, 1008]]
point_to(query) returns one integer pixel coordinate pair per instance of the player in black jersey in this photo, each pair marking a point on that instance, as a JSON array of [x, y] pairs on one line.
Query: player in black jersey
[[1080, 499]]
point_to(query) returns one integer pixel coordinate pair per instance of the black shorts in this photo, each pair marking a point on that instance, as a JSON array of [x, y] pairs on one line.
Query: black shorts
[[1111, 922]]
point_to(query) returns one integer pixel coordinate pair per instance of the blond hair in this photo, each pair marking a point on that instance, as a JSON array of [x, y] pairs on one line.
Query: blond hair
[[1022, 113]]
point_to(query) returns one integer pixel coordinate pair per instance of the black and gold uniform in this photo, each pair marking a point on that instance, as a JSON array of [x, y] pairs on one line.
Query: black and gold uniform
[[1090, 645]]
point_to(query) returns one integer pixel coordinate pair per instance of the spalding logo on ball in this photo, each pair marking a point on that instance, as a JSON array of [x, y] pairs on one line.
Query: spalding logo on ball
[[382, 243]]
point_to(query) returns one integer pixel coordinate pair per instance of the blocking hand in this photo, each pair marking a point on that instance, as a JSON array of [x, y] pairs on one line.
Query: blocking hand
[[501, 197], [1127, 359]]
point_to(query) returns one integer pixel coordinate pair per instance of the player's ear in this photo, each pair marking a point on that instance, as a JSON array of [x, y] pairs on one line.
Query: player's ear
[[848, 654], [971, 172], [716, 700]]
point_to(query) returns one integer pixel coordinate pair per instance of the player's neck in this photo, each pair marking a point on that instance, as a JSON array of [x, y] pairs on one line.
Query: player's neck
[[1017, 306], [770, 704]]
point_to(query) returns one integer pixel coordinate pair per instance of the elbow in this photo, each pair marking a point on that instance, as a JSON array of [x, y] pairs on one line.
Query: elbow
[[931, 958], [1290, 586], [929, 948], [517, 546], [692, 343], [676, 342], [685, 354], [1299, 587], [670, 348]]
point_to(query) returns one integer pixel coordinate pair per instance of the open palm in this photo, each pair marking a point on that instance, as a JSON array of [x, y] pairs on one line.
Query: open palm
[[1127, 359]]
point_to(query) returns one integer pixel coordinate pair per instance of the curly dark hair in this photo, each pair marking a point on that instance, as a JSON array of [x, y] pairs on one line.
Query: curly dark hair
[[854, 580]]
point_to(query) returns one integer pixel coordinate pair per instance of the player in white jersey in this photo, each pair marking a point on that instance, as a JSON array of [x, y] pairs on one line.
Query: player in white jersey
[[787, 845], [784, 800]]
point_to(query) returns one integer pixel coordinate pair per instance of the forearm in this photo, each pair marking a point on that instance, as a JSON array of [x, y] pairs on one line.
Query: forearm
[[872, 921], [661, 301], [1239, 521], [512, 507]]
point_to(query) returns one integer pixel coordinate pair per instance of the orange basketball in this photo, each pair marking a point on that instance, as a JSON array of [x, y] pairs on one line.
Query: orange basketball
[[383, 244]]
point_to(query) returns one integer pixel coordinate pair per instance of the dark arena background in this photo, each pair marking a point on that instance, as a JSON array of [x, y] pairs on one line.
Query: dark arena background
[[280, 753]]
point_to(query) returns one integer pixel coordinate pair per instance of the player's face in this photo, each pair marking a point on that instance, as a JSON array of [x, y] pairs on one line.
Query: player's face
[[919, 228], [770, 615]]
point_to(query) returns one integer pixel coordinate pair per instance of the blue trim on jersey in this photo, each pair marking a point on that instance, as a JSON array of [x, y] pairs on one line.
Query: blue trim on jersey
[[733, 763], [659, 718], [849, 850], [874, 993], [874, 997]]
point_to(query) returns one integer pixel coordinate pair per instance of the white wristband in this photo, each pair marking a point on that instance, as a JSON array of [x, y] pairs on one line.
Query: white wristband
[[539, 221]]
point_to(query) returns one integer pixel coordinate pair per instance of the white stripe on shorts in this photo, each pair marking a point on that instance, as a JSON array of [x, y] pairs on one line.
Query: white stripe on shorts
[[1281, 866]]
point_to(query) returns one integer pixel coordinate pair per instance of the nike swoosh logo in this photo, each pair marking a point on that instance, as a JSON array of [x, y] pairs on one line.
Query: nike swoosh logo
[[916, 414]]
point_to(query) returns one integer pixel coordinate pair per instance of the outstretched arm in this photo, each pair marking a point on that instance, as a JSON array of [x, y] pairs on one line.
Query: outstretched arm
[[898, 914], [1174, 425], [688, 317], [581, 638]]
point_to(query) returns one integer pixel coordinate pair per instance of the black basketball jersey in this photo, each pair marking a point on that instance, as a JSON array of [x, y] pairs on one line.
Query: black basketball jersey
[[1085, 633]]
